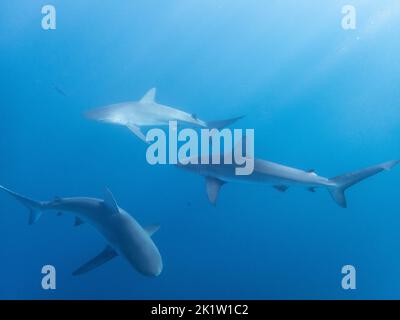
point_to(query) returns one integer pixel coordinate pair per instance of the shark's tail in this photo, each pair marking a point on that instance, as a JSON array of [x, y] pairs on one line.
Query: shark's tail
[[35, 207], [341, 183], [222, 123]]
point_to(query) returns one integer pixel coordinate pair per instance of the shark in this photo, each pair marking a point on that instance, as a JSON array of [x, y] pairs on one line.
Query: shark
[[281, 177], [148, 113], [125, 237]]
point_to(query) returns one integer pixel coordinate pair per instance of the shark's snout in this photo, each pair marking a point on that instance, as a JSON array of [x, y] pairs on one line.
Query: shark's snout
[[96, 114], [106, 114], [151, 267], [157, 271]]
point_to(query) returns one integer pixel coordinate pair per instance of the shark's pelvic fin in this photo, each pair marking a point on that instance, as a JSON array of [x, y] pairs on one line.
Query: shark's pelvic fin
[[347, 180], [78, 221], [35, 207], [137, 131], [149, 97], [110, 202], [222, 123], [152, 229], [281, 188], [213, 185], [106, 255]]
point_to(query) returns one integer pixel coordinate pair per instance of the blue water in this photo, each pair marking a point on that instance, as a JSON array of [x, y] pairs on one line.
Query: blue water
[[317, 96]]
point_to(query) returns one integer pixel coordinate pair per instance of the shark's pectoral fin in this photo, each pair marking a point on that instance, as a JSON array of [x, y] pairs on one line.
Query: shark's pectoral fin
[[213, 186], [152, 229], [281, 188], [78, 221], [34, 216], [110, 202], [150, 96], [136, 130], [106, 255], [311, 189], [222, 123]]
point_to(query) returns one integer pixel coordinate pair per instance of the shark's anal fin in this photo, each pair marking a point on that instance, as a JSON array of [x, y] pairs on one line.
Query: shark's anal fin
[[106, 255], [149, 97], [78, 221], [136, 130], [110, 202], [281, 188], [213, 185], [152, 229]]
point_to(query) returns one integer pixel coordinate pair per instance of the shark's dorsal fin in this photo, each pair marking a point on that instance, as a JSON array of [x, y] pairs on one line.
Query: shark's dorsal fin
[[152, 229], [110, 202], [213, 186], [149, 97], [312, 171], [106, 255]]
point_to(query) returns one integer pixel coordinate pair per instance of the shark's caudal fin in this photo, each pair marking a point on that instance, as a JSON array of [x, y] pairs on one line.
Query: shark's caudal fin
[[222, 123], [347, 180], [35, 207]]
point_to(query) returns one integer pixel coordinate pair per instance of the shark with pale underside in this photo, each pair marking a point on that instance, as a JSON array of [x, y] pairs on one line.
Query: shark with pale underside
[[148, 113], [123, 234], [281, 177]]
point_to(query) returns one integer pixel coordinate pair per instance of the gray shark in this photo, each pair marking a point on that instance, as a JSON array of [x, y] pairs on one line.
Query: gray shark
[[148, 113], [124, 235], [281, 177]]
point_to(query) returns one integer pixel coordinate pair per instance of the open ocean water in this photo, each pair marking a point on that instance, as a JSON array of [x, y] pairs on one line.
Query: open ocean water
[[318, 96]]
